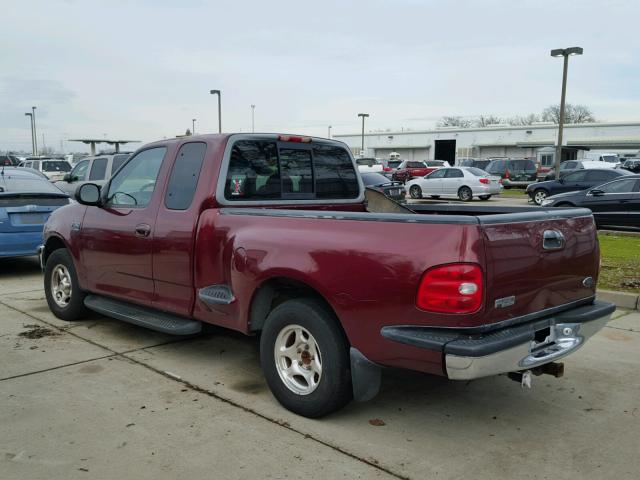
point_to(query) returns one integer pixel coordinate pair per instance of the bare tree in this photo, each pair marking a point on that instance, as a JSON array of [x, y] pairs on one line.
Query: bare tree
[[523, 120], [452, 121], [486, 120], [573, 114], [187, 133]]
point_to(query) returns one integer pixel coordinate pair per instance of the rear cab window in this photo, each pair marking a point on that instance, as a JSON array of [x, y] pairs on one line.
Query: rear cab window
[[274, 170]]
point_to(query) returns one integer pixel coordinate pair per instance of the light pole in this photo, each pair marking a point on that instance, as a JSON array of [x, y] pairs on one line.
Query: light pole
[[193, 126], [363, 115], [35, 132], [33, 145], [563, 52], [253, 118], [217, 92], [329, 132]]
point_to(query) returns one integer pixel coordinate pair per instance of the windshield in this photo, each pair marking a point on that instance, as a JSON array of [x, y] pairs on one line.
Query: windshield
[[394, 163], [374, 179], [55, 166], [610, 158], [369, 162]]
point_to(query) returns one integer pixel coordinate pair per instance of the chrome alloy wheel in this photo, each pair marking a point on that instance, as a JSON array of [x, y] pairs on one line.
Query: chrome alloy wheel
[[298, 359], [61, 286], [539, 196]]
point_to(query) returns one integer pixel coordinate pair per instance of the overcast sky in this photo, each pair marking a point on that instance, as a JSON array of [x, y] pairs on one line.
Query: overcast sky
[[143, 69]]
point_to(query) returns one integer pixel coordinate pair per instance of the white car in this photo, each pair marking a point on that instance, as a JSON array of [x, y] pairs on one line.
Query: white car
[[367, 165], [55, 169], [462, 182]]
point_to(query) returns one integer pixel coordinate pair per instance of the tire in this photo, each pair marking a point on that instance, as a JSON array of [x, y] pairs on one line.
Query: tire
[[61, 288], [434, 196], [315, 394], [415, 191], [485, 197], [539, 195], [465, 194]]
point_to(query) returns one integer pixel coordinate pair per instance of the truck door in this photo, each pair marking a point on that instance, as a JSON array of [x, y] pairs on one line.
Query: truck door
[[116, 238], [174, 234]]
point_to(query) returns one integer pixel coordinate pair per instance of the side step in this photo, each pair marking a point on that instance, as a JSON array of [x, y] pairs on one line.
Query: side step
[[143, 316]]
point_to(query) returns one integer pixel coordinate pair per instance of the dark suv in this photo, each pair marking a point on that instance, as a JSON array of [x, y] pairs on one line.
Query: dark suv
[[514, 172]]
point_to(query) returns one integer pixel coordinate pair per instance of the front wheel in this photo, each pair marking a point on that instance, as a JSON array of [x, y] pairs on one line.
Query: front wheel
[[539, 196], [485, 197], [305, 358], [61, 288], [415, 191], [465, 194]]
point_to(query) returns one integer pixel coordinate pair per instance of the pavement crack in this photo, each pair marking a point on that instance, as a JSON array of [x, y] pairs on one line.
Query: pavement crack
[[58, 367]]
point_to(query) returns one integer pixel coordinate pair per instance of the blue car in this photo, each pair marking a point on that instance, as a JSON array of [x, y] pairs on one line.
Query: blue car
[[26, 201]]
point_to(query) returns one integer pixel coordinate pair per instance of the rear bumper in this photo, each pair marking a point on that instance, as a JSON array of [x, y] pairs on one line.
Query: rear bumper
[[509, 349], [20, 244]]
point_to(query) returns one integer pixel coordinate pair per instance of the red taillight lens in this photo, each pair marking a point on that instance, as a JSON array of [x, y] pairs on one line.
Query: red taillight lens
[[454, 288], [507, 174], [387, 169], [486, 181], [294, 139]]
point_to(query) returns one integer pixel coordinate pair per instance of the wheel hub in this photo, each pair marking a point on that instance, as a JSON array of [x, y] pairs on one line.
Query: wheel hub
[[61, 285], [298, 359]]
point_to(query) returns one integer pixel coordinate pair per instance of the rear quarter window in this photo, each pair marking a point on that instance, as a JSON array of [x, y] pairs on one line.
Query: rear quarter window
[[184, 176]]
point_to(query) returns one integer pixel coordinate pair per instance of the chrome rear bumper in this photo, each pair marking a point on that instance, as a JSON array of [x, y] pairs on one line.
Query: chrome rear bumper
[[564, 339]]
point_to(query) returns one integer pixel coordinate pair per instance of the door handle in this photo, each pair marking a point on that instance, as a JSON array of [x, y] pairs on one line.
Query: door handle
[[143, 230]]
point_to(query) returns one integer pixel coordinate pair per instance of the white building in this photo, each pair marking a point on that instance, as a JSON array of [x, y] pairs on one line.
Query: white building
[[538, 140]]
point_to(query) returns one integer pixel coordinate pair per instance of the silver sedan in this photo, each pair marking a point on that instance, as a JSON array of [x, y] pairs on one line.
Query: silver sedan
[[462, 182]]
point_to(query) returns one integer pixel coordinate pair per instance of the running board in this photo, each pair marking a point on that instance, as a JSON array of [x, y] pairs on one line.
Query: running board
[[143, 316]]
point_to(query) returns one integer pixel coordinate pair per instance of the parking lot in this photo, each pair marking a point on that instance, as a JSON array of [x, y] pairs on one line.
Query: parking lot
[[103, 399]]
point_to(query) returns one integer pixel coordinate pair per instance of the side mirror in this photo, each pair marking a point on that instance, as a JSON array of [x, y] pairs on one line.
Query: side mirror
[[88, 194], [561, 180], [596, 192], [67, 177]]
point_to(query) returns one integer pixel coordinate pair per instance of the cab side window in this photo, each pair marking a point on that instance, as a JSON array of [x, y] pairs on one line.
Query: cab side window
[[134, 184], [454, 173], [184, 176]]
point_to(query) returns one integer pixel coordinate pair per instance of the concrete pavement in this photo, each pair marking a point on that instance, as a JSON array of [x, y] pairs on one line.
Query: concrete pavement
[[103, 399]]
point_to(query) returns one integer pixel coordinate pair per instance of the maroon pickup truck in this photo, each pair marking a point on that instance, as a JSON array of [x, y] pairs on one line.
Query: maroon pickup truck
[[275, 235]]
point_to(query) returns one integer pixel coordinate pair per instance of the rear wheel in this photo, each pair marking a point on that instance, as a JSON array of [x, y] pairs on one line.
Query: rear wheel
[[465, 194], [485, 197], [415, 191], [305, 358], [539, 196], [61, 288]]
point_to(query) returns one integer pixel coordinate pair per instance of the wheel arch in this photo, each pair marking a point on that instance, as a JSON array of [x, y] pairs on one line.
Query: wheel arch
[[276, 290], [53, 243]]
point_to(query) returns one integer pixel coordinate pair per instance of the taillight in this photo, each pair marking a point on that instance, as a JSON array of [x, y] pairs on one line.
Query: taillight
[[486, 181], [453, 288], [507, 174], [294, 139], [386, 169]]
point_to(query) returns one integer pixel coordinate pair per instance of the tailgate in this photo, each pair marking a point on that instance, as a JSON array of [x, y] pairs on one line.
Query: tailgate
[[538, 261]]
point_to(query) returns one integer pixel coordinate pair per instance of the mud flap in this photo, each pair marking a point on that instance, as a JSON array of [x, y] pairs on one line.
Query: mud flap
[[365, 376]]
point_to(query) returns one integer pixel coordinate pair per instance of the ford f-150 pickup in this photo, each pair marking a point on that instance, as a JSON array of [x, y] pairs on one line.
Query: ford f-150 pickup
[[275, 235]]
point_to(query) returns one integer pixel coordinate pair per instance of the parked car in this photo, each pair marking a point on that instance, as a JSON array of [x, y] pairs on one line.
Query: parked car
[[462, 182], [632, 164], [377, 181], [409, 169], [482, 164], [389, 166], [614, 204], [579, 180], [514, 172], [271, 234], [91, 169], [26, 200], [608, 157], [9, 160], [55, 169], [569, 166], [369, 165]]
